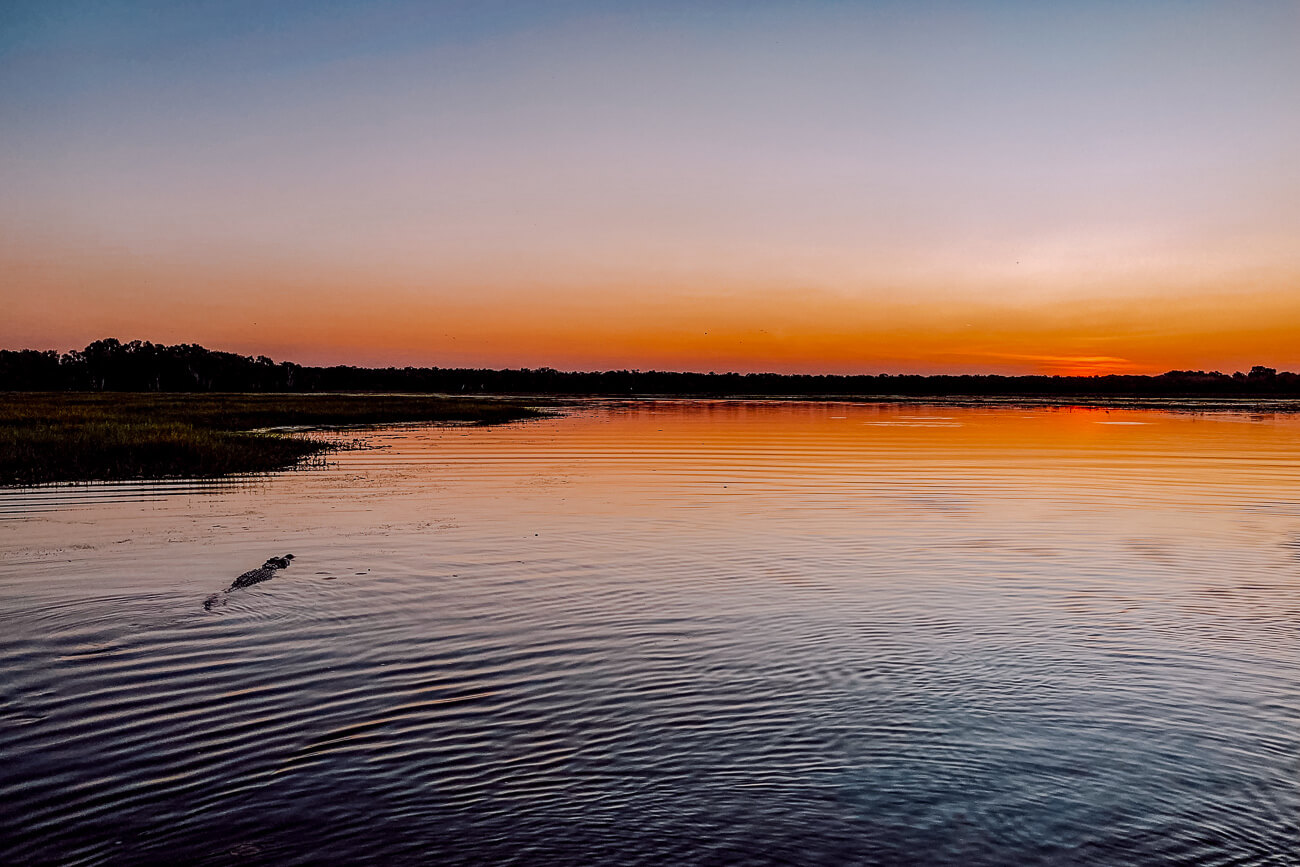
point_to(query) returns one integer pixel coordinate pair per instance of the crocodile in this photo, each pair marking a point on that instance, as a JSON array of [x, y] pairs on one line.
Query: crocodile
[[265, 572]]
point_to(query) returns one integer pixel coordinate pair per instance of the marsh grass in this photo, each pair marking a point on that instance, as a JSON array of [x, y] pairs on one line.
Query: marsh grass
[[59, 437]]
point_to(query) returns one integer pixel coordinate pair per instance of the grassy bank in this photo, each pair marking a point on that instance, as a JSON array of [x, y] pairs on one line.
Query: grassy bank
[[61, 437]]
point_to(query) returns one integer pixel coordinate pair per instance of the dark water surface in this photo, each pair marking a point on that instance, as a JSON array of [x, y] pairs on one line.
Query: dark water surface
[[674, 633]]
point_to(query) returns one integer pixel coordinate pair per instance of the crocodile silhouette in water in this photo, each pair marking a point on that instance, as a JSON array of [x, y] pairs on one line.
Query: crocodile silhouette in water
[[265, 572]]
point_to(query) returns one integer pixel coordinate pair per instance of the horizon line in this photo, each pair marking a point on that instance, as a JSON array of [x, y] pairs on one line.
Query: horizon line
[[1256, 370]]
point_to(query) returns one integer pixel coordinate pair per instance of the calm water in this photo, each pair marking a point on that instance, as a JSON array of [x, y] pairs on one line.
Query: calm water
[[674, 633]]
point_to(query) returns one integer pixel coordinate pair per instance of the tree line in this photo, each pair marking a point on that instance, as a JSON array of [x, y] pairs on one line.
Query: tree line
[[111, 365]]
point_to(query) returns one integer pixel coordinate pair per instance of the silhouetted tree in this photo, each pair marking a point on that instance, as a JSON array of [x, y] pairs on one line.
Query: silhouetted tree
[[111, 365]]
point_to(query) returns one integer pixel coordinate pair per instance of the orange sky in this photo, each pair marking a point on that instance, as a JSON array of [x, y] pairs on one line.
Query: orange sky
[[253, 310], [828, 188]]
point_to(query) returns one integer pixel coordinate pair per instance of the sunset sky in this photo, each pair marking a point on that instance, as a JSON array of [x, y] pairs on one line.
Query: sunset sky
[[1011, 187]]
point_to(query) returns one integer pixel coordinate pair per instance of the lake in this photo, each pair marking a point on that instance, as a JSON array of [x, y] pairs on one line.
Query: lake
[[674, 632]]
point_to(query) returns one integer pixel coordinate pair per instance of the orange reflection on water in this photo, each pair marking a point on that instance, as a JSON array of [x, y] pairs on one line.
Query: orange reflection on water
[[747, 461]]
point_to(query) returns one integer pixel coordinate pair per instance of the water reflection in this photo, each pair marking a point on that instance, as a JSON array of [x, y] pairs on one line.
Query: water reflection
[[686, 632]]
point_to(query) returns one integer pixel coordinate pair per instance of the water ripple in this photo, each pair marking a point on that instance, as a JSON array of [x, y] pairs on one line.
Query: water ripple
[[695, 633]]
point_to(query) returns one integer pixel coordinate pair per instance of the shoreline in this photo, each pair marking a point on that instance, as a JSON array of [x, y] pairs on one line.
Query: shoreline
[[52, 437]]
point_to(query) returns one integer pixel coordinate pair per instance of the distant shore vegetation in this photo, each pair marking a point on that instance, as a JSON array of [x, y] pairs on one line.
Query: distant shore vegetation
[[141, 366], [64, 437]]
